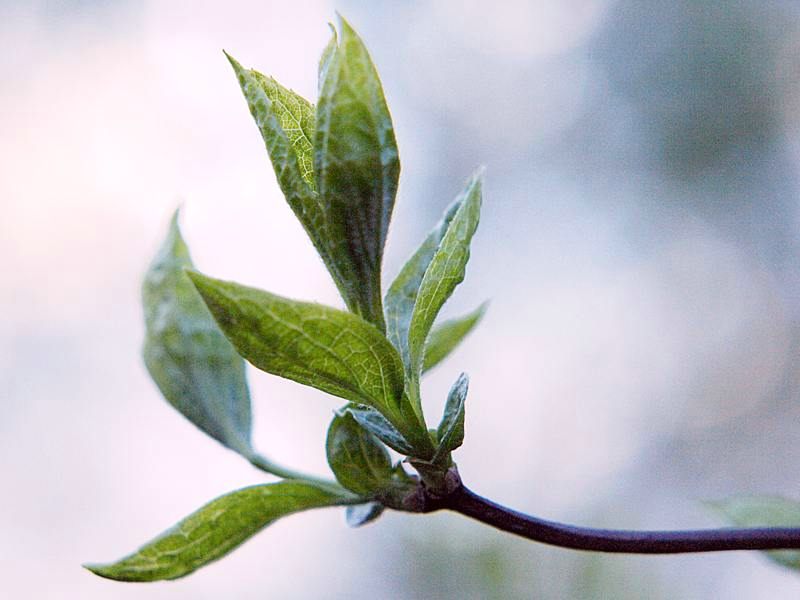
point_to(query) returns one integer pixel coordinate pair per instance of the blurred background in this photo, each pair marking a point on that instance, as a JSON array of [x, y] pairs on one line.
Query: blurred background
[[639, 244]]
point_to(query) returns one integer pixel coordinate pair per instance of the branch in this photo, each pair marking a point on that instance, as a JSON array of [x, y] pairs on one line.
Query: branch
[[466, 502]]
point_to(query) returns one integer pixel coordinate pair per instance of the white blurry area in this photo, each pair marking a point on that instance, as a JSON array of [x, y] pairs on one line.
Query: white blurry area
[[112, 114]]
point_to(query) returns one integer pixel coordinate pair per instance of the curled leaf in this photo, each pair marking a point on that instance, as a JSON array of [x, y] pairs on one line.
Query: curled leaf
[[196, 368], [359, 461], [450, 432]]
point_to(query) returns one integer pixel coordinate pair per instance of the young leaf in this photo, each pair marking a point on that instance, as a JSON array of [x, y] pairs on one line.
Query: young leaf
[[374, 422], [196, 368], [315, 345], [360, 462], [357, 169], [296, 117], [216, 529], [325, 59], [361, 514], [445, 337], [444, 272], [402, 294], [764, 511], [450, 432], [286, 122]]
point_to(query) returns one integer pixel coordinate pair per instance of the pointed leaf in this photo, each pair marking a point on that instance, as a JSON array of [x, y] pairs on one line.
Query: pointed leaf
[[359, 461], [196, 368], [216, 529], [445, 337], [445, 271], [287, 127], [402, 294], [374, 422], [327, 55], [361, 514], [450, 432], [764, 511], [357, 169], [297, 118], [332, 350], [286, 121]]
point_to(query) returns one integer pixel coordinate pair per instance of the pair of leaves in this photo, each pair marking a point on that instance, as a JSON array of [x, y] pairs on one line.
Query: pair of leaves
[[341, 354], [201, 374], [449, 434], [358, 457], [337, 165], [217, 528]]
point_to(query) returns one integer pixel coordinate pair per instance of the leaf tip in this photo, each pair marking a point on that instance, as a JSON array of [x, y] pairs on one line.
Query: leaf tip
[[345, 29], [238, 68], [174, 222], [478, 176], [332, 27], [462, 381], [101, 570]]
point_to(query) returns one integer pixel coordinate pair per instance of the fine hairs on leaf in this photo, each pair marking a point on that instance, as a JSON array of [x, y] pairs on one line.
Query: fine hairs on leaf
[[337, 165]]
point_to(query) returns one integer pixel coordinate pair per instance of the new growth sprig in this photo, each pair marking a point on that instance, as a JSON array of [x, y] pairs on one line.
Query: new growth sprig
[[337, 164]]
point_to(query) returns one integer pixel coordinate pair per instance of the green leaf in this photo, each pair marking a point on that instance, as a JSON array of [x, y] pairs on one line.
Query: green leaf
[[764, 511], [446, 336], [361, 514], [360, 462], [327, 55], [402, 294], [374, 422], [196, 368], [450, 432], [286, 121], [216, 529], [297, 118], [331, 350], [357, 168], [444, 272], [287, 127]]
